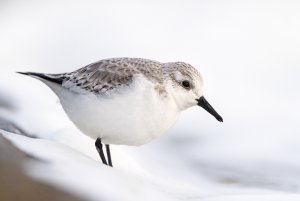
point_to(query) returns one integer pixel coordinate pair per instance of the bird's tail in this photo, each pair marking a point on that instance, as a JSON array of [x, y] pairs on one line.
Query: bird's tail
[[56, 78]]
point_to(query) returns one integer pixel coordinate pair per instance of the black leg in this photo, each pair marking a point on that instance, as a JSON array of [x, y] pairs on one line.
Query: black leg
[[98, 145], [108, 155]]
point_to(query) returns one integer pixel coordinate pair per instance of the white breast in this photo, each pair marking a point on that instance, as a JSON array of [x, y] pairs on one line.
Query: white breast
[[134, 116]]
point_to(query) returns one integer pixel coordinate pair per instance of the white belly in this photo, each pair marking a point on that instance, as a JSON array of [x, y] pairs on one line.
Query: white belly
[[134, 117]]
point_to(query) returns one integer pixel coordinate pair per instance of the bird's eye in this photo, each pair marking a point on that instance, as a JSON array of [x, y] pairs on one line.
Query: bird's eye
[[186, 84]]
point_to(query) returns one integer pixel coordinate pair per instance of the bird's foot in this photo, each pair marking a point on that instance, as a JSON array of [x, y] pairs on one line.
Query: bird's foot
[[99, 148]]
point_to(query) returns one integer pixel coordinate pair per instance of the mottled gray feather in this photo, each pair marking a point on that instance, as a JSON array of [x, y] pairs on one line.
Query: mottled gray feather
[[108, 74]]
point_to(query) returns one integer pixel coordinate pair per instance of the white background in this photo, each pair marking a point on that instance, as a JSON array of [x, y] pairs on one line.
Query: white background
[[247, 51]]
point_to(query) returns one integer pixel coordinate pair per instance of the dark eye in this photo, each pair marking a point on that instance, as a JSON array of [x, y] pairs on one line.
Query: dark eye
[[186, 84]]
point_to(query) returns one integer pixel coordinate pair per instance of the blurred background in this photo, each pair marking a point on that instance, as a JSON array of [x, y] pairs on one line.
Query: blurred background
[[247, 51]]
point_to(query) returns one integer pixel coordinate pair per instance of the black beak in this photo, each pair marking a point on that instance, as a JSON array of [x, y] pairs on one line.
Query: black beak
[[203, 103]]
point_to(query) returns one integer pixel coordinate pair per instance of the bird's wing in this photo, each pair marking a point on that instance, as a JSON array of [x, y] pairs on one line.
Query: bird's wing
[[106, 75]]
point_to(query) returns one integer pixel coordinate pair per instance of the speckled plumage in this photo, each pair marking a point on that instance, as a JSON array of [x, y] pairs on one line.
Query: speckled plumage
[[105, 75]]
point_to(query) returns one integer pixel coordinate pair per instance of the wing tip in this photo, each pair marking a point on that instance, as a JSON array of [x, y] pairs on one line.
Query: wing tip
[[58, 80], [23, 73]]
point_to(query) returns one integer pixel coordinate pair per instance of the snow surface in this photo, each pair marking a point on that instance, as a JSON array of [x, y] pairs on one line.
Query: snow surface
[[248, 53], [80, 174]]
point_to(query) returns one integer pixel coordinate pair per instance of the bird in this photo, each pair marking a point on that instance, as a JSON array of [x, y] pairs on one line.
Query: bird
[[127, 101]]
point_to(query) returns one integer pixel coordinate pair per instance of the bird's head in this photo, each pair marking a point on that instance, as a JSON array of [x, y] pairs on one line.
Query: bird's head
[[186, 87]]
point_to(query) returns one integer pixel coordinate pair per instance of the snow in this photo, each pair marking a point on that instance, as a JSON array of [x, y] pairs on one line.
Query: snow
[[248, 53], [81, 174]]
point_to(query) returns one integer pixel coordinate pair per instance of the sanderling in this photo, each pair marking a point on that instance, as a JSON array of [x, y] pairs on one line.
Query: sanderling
[[128, 101]]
